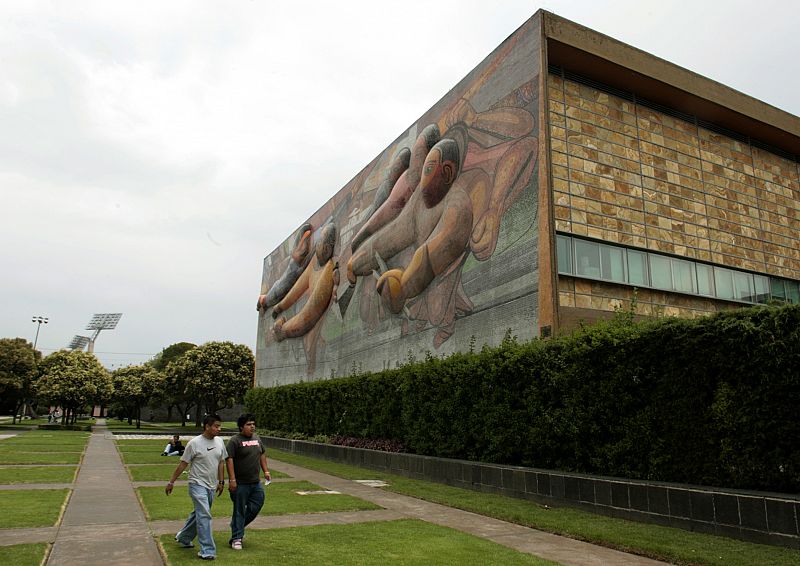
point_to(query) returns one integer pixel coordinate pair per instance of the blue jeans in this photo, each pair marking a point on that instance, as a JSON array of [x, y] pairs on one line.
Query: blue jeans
[[247, 502], [199, 522]]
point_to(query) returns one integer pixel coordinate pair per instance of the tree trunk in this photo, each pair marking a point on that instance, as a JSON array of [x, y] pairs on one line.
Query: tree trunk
[[17, 408], [197, 415], [138, 418]]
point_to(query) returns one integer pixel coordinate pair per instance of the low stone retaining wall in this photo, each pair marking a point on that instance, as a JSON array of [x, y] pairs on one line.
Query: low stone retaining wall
[[767, 518]]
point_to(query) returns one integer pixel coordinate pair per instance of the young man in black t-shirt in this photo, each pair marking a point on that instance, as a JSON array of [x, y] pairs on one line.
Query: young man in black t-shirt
[[246, 456]]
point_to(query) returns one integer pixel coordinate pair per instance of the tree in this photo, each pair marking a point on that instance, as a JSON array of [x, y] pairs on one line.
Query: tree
[[17, 372], [73, 380], [135, 386], [217, 374], [173, 390], [170, 353]]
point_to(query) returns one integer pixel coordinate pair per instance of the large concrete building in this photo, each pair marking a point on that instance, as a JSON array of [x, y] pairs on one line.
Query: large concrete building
[[567, 175]]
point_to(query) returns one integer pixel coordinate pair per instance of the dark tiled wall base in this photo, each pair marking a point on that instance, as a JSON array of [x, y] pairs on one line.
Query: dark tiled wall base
[[751, 516]]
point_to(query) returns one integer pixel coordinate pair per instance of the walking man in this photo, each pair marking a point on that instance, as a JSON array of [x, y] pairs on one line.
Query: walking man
[[206, 453], [246, 455]]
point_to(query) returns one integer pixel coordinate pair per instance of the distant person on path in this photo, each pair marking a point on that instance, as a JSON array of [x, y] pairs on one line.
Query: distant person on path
[[206, 453], [246, 455], [174, 448]]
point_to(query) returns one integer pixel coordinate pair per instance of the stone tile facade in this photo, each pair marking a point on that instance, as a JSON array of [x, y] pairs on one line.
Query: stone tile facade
[[627, 174]]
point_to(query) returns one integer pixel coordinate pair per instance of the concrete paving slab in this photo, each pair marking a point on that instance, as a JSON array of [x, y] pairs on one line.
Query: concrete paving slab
[[26, 536], [21, 486]]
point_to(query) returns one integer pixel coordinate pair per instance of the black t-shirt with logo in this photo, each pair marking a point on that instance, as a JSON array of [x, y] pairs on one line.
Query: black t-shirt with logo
[[246, 453]]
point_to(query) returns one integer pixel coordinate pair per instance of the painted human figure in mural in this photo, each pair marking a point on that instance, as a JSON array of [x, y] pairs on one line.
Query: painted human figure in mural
[[406, 170], [469, 180], [319, 281], [297, 263]]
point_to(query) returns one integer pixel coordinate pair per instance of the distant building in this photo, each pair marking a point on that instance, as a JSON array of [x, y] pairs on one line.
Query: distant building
[[576, 172]]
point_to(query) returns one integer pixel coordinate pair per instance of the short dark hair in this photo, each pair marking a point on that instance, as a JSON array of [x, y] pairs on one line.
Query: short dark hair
[[245, 418], [209, 420]]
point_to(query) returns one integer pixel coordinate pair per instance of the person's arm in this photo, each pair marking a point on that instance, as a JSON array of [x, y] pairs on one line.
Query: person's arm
[[231, 475], [221, 476], [175, 475], [263, 462]]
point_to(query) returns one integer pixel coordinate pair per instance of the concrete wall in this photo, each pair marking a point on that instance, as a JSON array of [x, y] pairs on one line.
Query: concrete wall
[[765, 518], [475, 253]]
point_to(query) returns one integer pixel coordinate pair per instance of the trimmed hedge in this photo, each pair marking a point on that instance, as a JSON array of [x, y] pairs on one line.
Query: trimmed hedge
[[711, 401]]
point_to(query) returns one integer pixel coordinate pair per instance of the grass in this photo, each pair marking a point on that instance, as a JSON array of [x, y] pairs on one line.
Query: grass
[[281, 500], [405, 543], [30, 507], [58, 438], [663, 543], [23, 554], [155, 472], [30, 474], [40, 458]]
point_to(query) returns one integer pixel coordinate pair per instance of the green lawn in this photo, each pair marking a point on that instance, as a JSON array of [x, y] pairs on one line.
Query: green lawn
[[31, 507], [32, 474], [48, 437], [23, 554], [664, 543], [281, 500], [404, 543], [40, 458]]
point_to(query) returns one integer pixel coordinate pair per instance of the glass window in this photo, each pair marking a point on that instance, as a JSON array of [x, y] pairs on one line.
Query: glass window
[[743, 283], [762, 288], [612, 261], [661, 272], [564, 254], [705, 279], [587, 255], [637, 268], [683, 276], [777, 289], [723, 282], [793, 292]]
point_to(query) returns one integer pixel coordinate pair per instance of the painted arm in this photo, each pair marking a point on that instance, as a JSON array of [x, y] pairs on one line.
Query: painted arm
[[295, 267], [295, 292], [445, 244]]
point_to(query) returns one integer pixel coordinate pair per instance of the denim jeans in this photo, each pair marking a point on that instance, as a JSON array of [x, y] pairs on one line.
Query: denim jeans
[[247, 502], [199, 521]]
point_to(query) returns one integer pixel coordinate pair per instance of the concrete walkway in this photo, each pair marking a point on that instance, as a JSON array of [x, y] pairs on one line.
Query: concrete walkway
[[104, 523]]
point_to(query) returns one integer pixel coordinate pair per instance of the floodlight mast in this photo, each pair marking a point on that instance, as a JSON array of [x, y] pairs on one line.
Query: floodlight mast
[[102, 321]]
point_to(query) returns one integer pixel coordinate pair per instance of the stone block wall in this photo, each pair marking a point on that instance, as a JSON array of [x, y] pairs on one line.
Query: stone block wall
[[625, 173]]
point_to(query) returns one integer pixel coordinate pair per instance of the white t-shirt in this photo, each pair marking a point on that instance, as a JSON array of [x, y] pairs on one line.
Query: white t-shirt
[[204, 455]]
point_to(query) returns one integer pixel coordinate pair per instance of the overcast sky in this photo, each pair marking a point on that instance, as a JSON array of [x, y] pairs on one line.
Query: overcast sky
[[152, 153]]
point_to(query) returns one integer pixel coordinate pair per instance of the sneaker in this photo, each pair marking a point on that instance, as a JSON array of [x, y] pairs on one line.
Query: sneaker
[[236, 545], [184, 544], [205, 557]]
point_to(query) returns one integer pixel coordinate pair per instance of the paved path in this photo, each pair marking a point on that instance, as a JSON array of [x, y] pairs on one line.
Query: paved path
[[104, 523]]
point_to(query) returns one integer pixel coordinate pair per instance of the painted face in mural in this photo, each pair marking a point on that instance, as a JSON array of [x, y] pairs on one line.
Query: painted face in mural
[[437, 177], [324, 248]]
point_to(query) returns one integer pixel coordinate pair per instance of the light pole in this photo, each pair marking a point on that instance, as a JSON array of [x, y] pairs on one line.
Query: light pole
[[38, 320]]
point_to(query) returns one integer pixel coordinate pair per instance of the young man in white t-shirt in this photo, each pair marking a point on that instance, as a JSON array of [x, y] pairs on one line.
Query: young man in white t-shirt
[[206, 453]]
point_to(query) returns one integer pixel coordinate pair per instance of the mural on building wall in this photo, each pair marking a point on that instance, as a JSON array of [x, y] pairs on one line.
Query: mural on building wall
[[403, 232]]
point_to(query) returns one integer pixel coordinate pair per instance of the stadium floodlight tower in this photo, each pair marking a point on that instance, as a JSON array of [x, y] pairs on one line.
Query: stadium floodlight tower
[[102, 321], [78, 342]]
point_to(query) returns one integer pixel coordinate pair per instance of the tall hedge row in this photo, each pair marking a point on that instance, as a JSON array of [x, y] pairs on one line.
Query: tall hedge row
[[712, 401]]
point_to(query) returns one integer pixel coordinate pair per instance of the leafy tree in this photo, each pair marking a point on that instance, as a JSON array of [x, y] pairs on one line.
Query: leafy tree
[[217, 374], [134, 387], [17, 372], [172, 392], [170, 353], [73, 380]]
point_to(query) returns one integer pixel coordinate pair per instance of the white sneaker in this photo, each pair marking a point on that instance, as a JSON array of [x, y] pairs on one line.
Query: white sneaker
[[236, 544]]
